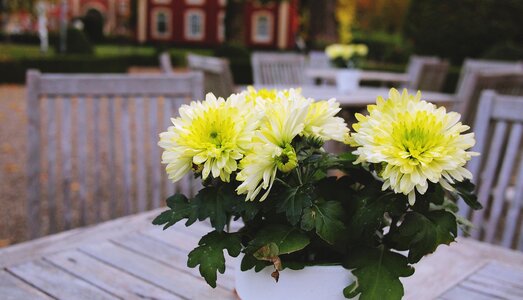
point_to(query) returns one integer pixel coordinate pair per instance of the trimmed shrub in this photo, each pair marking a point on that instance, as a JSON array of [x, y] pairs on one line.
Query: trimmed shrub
[[504, 51], [240, 62]]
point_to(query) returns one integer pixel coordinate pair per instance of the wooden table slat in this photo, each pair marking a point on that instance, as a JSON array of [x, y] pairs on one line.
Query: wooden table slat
[[460, 292], [181, 283], [168, 255], [108, 278], [12, 288], [57, 282]]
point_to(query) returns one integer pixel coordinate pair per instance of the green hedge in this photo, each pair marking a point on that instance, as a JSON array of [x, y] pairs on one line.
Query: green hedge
[[13, 71]]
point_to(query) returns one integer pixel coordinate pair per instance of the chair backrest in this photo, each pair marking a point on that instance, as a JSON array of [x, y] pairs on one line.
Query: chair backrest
[[278, 68], [471, 66], [318, 59], [500, 80], [92, 145], [427, 73], [165, 62], [498, 171], [217, 73]]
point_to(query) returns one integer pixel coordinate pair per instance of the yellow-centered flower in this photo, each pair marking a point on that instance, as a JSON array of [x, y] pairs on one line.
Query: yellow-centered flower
[[209, 136], [415, 142]]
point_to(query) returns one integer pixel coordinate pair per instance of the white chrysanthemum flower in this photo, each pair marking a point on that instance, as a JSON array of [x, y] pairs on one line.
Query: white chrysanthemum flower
[[321, 121], [272, 149], [211, 136], [415, 141]]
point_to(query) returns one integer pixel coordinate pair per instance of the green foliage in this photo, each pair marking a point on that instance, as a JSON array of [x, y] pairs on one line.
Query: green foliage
[[76, 42], [327, 219], [457, 29], [465, 189], [422, 234], [377, 271], [180, 208], [239, 61], [293, 202], [209, 254]]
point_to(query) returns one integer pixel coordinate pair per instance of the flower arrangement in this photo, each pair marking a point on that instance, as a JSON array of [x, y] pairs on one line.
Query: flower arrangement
[[346, 56], [260, 158]]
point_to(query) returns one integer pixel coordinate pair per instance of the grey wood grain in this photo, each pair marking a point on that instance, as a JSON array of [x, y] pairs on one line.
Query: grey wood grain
[[12, 288], [141, 179], [51, 164], [81, 158], [107, 278], [278, 68], [125, 150], [57, 282], [66, 160], [181, 283]]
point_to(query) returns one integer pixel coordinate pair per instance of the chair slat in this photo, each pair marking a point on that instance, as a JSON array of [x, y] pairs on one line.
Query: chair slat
[[504, 175], [278, 68], [125, 131], [66, 160], [97, 163], [141, 180], [154, 153], [167, 115], [51, 164], [82, 159], [111, 140], [487, 178]]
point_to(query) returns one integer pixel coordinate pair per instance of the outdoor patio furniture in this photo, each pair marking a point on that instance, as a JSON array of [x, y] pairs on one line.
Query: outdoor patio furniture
[[318, 60], [426, 73], [217, 73], [498, 172], [129, 258], [504, 81], [165, 62], [278, 68], [93, 137], [471, 66]]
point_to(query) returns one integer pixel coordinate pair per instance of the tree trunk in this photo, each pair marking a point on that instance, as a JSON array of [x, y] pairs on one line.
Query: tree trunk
[[234, 22]]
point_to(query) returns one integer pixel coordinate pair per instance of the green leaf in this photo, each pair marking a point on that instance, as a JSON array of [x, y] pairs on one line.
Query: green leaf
[[422, 234], [378, 271], [209, 254], [294, 200], [216, 204], [368, 210], [466, 190], [180, 208], [327, 218], [288, 239]]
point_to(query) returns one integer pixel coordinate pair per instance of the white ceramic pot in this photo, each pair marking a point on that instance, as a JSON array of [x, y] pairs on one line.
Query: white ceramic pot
[[347, 80], [315, 282]]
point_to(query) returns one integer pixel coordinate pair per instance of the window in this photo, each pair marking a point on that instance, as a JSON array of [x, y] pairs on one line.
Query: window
[[221, 27], [162, 24], [262, 27], [194, 25]]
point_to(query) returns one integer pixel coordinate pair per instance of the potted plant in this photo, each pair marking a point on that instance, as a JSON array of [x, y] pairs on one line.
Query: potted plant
[[348, 58], [364, 217]]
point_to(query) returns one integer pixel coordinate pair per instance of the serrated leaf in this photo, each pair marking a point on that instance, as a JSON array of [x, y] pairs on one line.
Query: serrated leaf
[[209, 254], [327, 218], [294, 200], [378, 271], [466, 190], [421, 234], [216, 203], [180, 208], [288, 239]]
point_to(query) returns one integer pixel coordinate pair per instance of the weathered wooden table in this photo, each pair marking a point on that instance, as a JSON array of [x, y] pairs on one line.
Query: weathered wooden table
[[129, 258], [329, 74]]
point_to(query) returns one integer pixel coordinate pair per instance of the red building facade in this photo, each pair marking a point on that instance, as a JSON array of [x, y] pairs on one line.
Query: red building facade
[[201, 22]]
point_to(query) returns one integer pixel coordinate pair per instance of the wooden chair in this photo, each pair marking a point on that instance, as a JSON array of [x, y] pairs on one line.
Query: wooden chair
[[217, 73], [471, 66], [427, 73], [278, 68], [92, 145], [501, 80], [498, 172]]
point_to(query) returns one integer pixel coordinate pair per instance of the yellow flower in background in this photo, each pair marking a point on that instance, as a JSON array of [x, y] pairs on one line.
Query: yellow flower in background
[[271, 149], [210, 136], [321, 121], [415, 142]]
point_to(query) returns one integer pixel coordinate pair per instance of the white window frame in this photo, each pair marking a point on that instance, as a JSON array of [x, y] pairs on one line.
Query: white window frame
[[222, 2], [220, 27], [187, 30], [168, 19], [270, 27]]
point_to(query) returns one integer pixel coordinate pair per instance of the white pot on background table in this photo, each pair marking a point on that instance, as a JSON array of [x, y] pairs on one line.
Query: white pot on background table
[[347, 80]]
